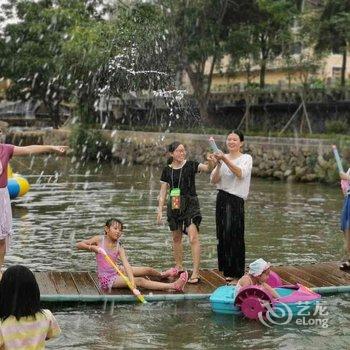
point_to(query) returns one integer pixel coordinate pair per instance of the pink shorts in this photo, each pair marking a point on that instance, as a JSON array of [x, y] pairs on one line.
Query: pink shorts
[[107, 280]]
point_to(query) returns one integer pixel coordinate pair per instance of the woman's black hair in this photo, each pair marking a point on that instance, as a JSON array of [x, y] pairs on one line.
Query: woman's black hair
[[237, 132], [171, 148], [110, 222], [19, 293]]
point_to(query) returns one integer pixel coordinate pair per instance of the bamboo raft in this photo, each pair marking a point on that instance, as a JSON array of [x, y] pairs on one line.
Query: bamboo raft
[[59, 286]]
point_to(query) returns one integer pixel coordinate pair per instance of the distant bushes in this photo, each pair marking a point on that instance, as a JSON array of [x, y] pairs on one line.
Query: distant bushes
[[89, 144], [336, 126]]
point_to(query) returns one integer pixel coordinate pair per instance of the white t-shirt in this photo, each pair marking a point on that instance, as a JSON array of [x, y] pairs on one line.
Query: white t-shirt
[[232, 184]]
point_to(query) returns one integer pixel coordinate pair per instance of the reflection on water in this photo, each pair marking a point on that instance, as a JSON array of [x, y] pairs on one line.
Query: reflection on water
[[285, 223], [192, 325]]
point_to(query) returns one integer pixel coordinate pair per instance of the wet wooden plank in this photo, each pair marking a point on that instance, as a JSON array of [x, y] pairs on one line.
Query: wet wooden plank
[[46, 286], [220, 275], [93, 276], [203, 287], [84, 283], [302, 271], [311, 275], [212, 278], [63, 282], [321, 273], [333, 270]]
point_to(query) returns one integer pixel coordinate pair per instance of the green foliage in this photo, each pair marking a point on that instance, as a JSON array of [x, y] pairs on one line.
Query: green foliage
[[311, 161], [32, 55], [89, 144], [333, 30], [337, 126], [198, 30], [316, 83]]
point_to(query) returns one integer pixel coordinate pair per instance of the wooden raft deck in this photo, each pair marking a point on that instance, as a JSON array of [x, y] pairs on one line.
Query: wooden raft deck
[[83, 286]]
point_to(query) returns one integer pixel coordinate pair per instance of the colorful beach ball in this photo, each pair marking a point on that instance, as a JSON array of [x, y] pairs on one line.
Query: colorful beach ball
[[17, 185]]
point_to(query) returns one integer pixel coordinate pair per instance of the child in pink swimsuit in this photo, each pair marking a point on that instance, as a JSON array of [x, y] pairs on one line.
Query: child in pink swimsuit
[[109, 278]]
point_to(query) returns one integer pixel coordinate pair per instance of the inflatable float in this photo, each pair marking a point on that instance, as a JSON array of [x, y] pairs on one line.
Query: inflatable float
[[254, 301], [17, 185]]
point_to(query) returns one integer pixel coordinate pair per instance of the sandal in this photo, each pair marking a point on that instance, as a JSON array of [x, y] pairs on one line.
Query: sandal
[[194, 280], [229, 279], [345, 266], [179, 284], [172, 272]]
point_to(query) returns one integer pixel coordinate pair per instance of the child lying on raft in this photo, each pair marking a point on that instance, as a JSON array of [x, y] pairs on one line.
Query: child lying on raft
[[109, 278], [258, 274]]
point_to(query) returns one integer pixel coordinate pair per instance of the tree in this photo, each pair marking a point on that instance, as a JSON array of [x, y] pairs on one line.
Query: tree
[[272, 21], [197, 30], [333, 34], [33, 46], [109, 58]]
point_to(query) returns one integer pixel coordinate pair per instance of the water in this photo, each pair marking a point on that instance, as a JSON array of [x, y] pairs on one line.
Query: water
[[285, 223]]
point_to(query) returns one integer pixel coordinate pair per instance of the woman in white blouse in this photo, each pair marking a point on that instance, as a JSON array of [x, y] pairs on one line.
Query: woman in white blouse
[[232, 179]]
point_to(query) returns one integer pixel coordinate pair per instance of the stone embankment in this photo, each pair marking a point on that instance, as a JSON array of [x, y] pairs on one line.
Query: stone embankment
[[288, 159]]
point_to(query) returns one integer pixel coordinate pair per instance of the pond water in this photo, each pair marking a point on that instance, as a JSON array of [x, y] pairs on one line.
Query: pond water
[[286, 223]]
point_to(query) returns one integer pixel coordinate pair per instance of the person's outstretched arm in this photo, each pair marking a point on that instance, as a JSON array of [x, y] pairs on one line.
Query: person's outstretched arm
[[209, 166], [37, 149]]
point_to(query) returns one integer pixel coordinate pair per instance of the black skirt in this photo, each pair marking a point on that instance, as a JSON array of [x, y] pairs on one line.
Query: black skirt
[[230, 234], [189, 213]]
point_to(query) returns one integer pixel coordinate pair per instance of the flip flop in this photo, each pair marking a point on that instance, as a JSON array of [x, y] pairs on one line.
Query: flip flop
[[179, 284], [194, 280], [345, 266]]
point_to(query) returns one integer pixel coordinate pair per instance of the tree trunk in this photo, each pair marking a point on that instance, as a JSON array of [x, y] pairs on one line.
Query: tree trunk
[[56, 118], [262, 73], [203, 110], [343, 68], [196, 80], [248, 104], [54, 112]]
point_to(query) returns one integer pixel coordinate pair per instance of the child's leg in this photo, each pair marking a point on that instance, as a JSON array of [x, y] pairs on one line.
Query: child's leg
[[2, 251], [145, 271], [177, 248], [153, 285], [195, 249]]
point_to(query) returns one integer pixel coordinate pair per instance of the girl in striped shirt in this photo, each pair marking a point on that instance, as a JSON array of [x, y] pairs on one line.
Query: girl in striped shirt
[[23, 324]]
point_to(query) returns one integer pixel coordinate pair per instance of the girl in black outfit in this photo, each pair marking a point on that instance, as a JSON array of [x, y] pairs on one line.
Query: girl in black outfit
[[183, 212]]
